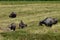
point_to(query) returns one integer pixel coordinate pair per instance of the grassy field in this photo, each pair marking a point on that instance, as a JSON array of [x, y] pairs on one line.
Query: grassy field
[[31, 13]]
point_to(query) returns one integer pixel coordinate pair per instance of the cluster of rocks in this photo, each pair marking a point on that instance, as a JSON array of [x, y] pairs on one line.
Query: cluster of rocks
[[49, 21]]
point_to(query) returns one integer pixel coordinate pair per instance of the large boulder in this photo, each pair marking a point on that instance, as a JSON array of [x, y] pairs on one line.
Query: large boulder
[[49, 21]]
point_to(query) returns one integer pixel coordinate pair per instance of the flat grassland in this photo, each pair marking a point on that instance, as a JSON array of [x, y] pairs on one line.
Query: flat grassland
[[31, 13]]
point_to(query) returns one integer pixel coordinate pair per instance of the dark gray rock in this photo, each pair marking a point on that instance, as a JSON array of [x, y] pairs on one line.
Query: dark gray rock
[[12, 15], [22, 24], [12, 26], [49, 21]]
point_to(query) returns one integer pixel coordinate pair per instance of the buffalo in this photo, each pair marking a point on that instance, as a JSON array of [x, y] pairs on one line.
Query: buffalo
[[22, 24], [12, 15], [49, 21], [12, 26]]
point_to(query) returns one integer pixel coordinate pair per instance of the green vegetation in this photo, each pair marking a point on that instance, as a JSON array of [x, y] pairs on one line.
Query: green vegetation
[[31, 13], [29, 0]]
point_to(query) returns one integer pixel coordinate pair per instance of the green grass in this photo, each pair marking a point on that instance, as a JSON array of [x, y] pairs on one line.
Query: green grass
[[25, 2], [31, 13]]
